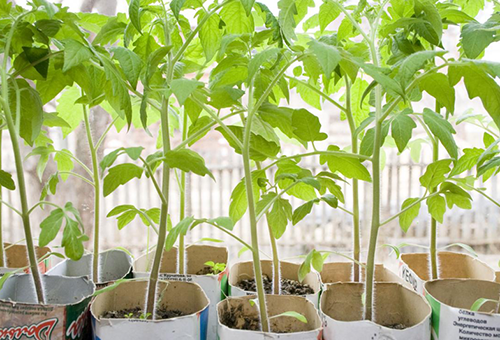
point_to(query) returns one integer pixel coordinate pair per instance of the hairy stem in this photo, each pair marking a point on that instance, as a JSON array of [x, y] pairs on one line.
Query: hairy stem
[[97, 196], [2, 250], [433, 232], [182, 208]]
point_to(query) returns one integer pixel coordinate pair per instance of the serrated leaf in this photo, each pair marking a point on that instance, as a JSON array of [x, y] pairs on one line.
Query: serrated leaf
[[6, 180], [134, 12], [279, 216], [301, 212], [443, 130], [119, 175], [401, 130], [50, 226], [211, 36], [328, 12], [259, 59], [406, 218], [328, 56], [307, 126], [183, 88], [130, 63], [436, 206], [435, 174], [415, 62], [469, 159], [438, 86], [187, 161], [347, 166]]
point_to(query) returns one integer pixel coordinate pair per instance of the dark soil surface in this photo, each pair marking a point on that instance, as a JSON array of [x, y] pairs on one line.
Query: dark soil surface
[[288, 287], [398, 326], [136, 313], [234, 318], [206, 271]]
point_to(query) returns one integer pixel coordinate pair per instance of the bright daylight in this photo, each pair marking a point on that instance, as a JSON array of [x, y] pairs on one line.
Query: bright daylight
[[249, 169]]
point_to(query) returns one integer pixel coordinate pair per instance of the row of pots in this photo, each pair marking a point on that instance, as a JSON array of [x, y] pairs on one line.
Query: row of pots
[[65, 316]]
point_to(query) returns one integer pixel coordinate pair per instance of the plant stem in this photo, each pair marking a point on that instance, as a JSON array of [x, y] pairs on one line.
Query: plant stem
[[2, 250], [97, 195], [433, 233], [355, 186], [375, 225], [162, 232], [251, 213], [165, 135], [23, 194], [182, 208]]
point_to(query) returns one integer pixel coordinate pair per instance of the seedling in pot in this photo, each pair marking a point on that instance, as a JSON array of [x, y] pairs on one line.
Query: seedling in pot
[[36, 58], [215, 268]]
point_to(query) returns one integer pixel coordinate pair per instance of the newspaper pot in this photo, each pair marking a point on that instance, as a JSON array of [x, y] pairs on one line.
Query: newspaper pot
[[276, 304], [244, 271], [114, 264], [342, 310], [187, 297], [414, 268], [342, 272], [17, 257], [63, 317], [214, 286], [451, 300]]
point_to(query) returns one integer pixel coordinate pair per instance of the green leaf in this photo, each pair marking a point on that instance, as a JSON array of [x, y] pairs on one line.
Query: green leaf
[[31, 111], [317, 260], [286, 19], [110, 32], [401, 130], [75, 53], [134, 12], [120, 209], [130, 63], [328, 12], [119, 175], [64, 162], [6, 180], [301, 212], [279, 216], [493, 163], [415, 62], [467, 161], [368, 142], [183, 88], [73, 240], [456, 196], [437, 207], [292, 314], [432, 29], [238, 205], [211, 36], [328, 56], [260, 148], [176, 6], [187, 161], [223, 221], [259, 59], [50, 226], [438, 86], [235, 17], [34, 54], [347, 166], [392, 86], [125, 218], [406, 218], [248, 5], [443, 130], [307, 126], [331, 200], [180, 229], [435, 174], [475, 38]]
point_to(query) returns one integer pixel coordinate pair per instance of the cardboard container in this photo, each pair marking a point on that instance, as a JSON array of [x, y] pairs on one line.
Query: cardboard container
[[63, 317], [451, 300], [414, 268], [215, 286], [114, 265], [184, 296], [342, 310], [244, 270], [17, 257], [276, 304], [342, 272]]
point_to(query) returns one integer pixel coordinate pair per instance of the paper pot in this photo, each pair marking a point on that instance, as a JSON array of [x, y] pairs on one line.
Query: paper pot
[[244, 270], [63, 317], [414, 268], [342, 272], [174, 295], [215, 286], [17, 257], [276, 304], [114, 264], [451, 300], [342, 309]]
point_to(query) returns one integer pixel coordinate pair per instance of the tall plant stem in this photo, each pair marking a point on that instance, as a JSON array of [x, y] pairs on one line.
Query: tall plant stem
[[182, 208], [22, 193], [162, 228], [252, 215], [355, 187], [433, 233], [275, 253], [162, 232], [2, 250], [97, 195]]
